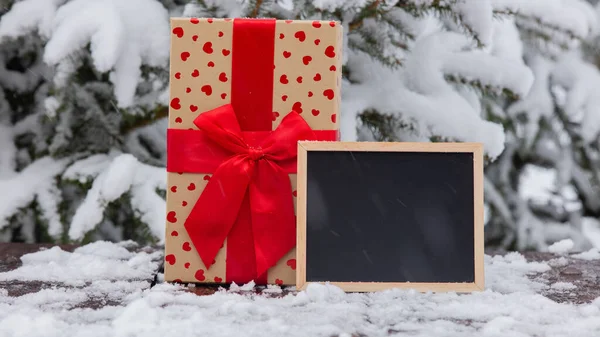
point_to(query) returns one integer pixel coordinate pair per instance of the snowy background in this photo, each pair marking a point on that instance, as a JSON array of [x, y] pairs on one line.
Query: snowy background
[[84, 92], [83, 106]]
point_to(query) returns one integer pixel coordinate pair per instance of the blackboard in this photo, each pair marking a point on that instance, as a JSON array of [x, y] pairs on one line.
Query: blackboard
[[373, 216]]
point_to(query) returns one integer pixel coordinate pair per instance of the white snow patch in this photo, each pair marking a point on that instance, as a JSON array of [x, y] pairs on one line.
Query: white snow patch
[[560, 262], [561, 286], [592, 254], [36, 182], [561, 247], [96, 261]]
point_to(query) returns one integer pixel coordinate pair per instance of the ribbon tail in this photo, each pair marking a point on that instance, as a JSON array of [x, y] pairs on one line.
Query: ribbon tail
[[215, 212], [273, 219]]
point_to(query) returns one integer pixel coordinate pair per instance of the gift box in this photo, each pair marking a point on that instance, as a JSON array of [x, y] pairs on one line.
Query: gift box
[[243, 92]]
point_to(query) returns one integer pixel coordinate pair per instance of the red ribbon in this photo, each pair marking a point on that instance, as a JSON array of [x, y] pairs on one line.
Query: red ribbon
[[248, 199]]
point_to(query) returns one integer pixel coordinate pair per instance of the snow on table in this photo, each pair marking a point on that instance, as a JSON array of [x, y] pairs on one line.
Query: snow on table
[[106, 289]]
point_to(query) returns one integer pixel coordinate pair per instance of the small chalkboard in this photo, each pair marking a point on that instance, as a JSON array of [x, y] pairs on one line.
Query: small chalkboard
[[373, 216]]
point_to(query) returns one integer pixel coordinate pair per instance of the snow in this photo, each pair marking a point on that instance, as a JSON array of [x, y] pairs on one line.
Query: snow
[[510, 306], [478, 16], [35, 182], [28, 16], [96, 261], [423, 94], [122, 39], [579, 79], [331, 5], [563, 286], [123, 36], [592, 254], [576, 16], [561, 247], [114, 175]]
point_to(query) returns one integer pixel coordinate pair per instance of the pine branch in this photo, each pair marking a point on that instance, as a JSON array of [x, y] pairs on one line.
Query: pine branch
[[257, 8], [483, 89], [384, 127], [370, 11], [131, 123]]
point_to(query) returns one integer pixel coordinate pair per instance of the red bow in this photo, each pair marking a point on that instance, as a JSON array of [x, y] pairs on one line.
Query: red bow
[[259, 173]]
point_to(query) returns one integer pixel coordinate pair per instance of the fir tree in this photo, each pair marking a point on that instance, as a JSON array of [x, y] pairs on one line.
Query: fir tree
[[83, 124]]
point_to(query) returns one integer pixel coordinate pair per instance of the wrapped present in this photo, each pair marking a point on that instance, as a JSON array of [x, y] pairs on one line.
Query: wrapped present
[[243, 92]]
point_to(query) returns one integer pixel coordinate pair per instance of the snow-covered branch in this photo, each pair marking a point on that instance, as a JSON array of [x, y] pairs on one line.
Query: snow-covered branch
[[114, 175]]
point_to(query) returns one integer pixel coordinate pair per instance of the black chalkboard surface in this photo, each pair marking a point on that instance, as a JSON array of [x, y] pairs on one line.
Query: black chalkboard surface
[[373, 216]]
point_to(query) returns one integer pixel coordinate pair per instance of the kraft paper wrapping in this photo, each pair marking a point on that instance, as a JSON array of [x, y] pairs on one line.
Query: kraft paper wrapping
[[307, 67]]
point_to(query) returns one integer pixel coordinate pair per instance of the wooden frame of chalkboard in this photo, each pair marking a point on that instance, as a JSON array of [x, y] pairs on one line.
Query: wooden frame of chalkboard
[[476, 149]]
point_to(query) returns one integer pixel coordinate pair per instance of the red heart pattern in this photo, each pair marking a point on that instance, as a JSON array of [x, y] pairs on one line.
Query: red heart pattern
[[207, 48], [199, 275], [172, 217], [207, 89], [170, 259], [175, 103], [302, 71], [300, 35], [291, 263], [178, 31], [297, 107], [330, 52]]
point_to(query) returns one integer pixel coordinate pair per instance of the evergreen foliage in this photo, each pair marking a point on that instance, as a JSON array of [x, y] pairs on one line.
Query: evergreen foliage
[[82, 125]]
